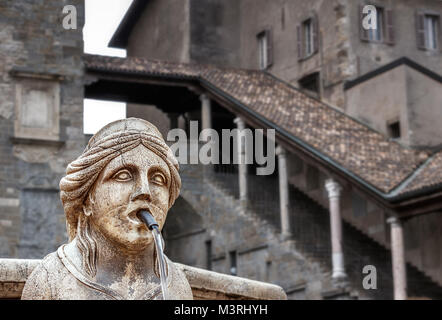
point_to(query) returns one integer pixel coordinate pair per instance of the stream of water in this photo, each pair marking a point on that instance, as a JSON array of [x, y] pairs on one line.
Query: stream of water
[[161, 261]]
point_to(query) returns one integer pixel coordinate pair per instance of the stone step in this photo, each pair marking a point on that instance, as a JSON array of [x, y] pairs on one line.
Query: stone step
[[311, 238]]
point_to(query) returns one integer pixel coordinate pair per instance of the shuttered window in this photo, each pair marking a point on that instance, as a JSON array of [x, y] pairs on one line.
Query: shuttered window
[[427, 31], [384, 27], [389, 29], [307, 37]]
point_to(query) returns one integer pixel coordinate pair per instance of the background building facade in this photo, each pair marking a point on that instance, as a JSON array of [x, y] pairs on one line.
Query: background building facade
[[320, 48], [362, 146]]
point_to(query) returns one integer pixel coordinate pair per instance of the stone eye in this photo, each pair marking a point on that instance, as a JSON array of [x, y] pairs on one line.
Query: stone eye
[[158, 178], [122, 175]]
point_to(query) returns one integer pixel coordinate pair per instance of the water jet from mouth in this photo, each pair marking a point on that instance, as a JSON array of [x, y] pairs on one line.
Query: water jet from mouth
[[152, 225]]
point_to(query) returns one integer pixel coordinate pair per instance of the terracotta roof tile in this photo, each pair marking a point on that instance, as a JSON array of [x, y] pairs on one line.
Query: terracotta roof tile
[[364, 152], [429, 176]]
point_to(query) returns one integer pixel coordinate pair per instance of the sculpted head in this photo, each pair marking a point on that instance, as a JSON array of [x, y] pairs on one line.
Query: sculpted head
[[126, 167]]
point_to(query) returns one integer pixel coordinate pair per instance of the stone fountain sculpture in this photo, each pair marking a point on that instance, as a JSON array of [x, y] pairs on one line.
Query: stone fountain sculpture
[[126, 167]]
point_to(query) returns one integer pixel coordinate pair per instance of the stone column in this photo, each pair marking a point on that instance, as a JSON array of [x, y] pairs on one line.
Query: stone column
[[334, 193], [283, 191], [206, 114], [398, 259], [242, 166]]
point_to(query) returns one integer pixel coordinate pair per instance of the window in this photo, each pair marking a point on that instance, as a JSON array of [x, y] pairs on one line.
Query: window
[[307, 33], [384, 32], [394, 129], [378, 33], [308, 37], [427, 31], [310, 83], [431, 24], [265, 49]]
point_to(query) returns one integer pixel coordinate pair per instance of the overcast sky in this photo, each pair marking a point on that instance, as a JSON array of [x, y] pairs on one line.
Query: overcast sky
[[102, 19]]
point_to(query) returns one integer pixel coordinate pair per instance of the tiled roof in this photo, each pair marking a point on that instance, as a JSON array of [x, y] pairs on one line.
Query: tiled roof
[[362, 151], [429, 176], [142, 66]]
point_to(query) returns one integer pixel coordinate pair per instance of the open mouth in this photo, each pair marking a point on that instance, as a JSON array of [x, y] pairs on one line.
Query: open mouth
[[134, 218]]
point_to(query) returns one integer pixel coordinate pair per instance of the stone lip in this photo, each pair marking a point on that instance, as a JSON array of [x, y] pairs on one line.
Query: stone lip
[[217, 285], [206, 285], [13, 275]]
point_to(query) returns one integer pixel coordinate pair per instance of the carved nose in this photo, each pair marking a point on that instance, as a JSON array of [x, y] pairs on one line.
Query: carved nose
[[142, 193]]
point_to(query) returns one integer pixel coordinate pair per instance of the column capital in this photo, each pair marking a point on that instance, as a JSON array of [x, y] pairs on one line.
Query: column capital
[[280, 151], [394, 221], [240, 124], [204, 97], [238, 120], [333, 188]]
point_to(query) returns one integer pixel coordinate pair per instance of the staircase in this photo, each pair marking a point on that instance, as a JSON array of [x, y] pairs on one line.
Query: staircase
[[311, 237]]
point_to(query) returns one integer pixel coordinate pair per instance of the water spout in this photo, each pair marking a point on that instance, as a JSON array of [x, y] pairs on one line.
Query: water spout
[[150, 222]]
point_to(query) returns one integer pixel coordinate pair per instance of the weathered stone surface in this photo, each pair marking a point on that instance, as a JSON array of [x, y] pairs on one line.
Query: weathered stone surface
[[13, 275], [127, 167], [32, 51], [206, 285], [42, 220], [212, 285]]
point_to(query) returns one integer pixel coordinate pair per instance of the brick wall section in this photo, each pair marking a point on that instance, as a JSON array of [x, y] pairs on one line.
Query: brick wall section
[[32, 39]]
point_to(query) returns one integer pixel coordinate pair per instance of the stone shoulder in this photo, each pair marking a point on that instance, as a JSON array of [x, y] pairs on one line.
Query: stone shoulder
[[181, 285], [39, 284]]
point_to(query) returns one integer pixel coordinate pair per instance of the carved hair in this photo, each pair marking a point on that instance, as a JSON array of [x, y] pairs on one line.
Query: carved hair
[[111, 141], [87, 245]]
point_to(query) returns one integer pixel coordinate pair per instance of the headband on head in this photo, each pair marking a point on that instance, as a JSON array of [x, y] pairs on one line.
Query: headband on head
[[111, 141]]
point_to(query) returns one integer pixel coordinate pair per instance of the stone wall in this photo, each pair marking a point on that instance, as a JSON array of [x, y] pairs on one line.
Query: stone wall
[[369, 56], [424, 96], [380, 100], [214, 36], [225, 33], [162, 32], [403, 95], [41, 121]]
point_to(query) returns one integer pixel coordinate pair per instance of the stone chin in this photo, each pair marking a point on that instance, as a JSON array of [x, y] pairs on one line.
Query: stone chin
[[125, 233], [137, 240]]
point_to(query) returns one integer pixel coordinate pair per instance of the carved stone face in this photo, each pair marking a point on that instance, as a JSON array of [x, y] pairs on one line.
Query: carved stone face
[[135, 180]]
